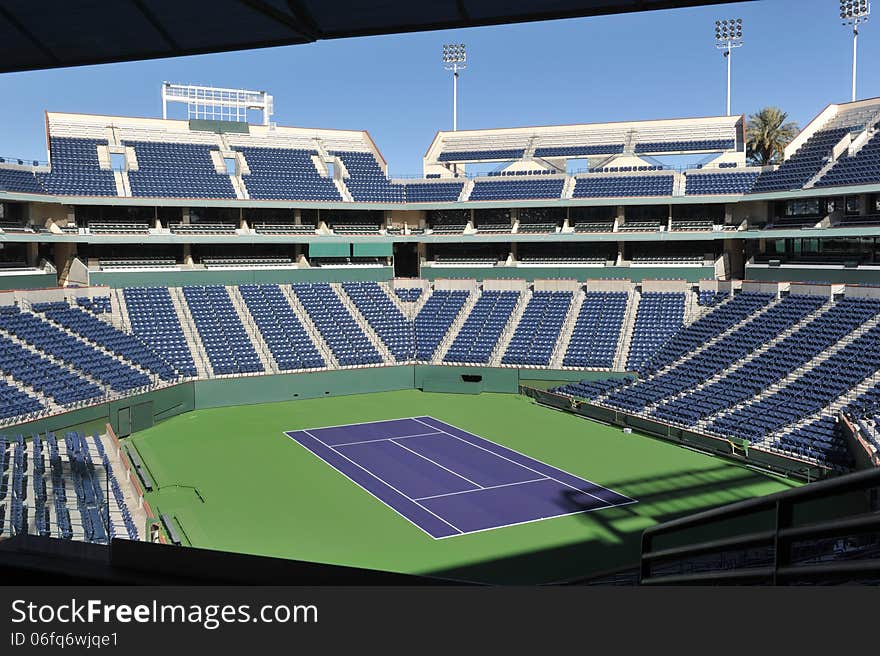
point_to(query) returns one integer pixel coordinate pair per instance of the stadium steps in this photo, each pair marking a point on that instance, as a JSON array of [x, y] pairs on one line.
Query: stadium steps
[[455, 326], [60, 363], [679, 186], [343, 190], [420, 303], [395, 300], [800, 371], [692, 310], [120, 184], [567, 331], [311, 329], [250, 327], [509, 330], [188, 327], [466, 190], [365, 326], [119, 311], [568, 188], [241, 191], [626, 331]]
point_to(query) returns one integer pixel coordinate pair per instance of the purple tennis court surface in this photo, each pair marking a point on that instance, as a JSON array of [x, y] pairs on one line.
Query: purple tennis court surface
[[450, 482]]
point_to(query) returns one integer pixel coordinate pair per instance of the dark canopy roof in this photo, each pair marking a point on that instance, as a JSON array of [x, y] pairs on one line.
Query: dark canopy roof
[[40, 34]]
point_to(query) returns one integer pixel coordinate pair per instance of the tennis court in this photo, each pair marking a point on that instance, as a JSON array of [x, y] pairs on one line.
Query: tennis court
[[450, 482]]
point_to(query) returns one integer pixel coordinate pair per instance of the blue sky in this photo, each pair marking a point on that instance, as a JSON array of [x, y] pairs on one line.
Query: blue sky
[[632, 66]]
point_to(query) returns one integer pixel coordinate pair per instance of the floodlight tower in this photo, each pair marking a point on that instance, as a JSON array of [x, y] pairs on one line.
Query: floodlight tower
[[454, 59], [728, 35], [854, 12]]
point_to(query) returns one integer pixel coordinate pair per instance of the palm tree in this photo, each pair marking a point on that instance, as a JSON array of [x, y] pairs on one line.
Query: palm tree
[[768, 135]]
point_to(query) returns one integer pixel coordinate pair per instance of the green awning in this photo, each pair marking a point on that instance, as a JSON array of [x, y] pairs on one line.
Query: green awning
[[382, 249], [332, 249]]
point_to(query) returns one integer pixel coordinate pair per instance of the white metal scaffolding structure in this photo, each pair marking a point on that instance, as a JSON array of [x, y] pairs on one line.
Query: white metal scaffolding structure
[[215, 103]]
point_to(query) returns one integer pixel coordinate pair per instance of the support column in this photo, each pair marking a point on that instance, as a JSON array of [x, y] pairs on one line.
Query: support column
[[33, 254]]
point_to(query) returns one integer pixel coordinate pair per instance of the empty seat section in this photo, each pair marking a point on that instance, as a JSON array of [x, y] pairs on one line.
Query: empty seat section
[[482, 329], [367, 181], [20, 180], [474, 155], [395, 331], [339, 329], [177, 170], [797, 170], [226, 342], [821, 440], [590, 389], [578, 150], [15, 402], [688, 373], [861, 168], [712, 324], [45, 376], [50, 339], [538, 329], [435, 318], [433, 192], [596, 333], [806, 394], [776, 362], [704, 184], [681, 145], [408, 294], [75, 169], [283, 332], [659, 316], [154, 321], [286, 173], [521, 188], [604, 186], [102, 333]]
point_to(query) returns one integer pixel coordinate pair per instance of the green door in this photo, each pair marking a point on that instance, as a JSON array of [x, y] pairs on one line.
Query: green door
[[124, 422]]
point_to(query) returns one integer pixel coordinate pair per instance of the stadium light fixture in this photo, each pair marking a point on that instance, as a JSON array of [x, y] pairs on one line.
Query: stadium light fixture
[[454, 59], [728, 35], [854, 12]]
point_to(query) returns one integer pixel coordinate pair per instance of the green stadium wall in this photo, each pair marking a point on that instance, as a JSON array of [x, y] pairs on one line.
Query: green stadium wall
[[237, 277], [636, 274], [135, 413], [814, 274], [28, 281], [220, 392]]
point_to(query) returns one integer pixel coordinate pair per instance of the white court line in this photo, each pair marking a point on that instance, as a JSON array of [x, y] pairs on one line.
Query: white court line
[[535, 471], [405, 496], [357, 423], [540, 519], [386, 439], [488, 487], [464, 478]]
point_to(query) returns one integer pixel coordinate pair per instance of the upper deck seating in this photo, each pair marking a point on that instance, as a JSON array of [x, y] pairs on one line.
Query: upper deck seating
[[177, 170]]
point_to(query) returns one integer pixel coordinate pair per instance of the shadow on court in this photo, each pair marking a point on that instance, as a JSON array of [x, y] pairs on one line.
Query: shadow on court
[[612, 536]]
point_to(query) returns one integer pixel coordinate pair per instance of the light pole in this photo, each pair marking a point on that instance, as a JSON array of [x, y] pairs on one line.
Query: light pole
[[854, 12], [728, 35], [454, 59]]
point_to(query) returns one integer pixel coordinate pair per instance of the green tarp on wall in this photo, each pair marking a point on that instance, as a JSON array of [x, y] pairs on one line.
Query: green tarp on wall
[[373, 250], [335, 249]]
